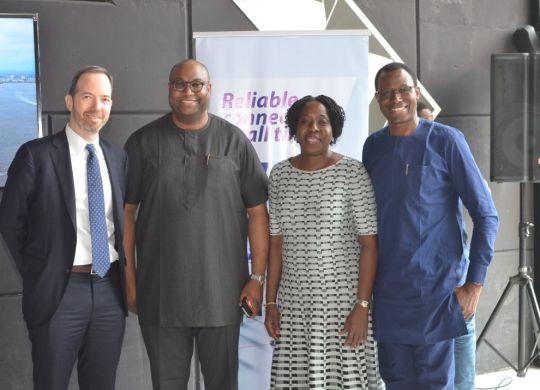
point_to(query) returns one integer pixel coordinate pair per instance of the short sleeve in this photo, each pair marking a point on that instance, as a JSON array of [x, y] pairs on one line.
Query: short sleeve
[[133, 187], [274, 204], [363, 202], [254, 182]]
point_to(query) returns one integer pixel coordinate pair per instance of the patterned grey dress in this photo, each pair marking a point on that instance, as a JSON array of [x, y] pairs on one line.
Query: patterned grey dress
[[320, 215]]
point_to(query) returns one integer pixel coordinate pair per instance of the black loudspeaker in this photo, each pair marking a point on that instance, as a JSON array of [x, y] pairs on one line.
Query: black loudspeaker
[[515, 122], [526, 39]]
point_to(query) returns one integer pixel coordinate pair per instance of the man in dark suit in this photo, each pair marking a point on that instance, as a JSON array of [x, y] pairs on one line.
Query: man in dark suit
[[62, 220]]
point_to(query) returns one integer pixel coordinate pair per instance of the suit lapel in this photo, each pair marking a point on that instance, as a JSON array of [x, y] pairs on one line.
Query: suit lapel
[[62, 165]]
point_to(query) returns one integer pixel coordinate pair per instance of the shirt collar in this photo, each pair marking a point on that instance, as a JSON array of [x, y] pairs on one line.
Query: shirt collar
[[77, 143]]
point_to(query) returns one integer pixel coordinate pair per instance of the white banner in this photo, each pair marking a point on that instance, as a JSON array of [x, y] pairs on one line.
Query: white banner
[[256, 76]]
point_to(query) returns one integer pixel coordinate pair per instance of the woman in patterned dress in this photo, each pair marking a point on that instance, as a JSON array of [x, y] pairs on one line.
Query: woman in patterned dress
[[323, 259]]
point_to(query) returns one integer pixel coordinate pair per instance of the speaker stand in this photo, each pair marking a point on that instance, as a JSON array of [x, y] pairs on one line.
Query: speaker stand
[[526, 295]]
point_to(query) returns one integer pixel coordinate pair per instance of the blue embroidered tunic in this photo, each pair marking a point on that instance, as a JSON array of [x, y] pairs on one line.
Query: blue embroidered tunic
[[419, 180]]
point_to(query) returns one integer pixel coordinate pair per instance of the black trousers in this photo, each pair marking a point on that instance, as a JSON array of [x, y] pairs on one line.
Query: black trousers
[[88, 327], [170, 351]]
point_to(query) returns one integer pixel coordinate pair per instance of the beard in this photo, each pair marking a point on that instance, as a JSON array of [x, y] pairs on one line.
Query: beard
[[90, 126]]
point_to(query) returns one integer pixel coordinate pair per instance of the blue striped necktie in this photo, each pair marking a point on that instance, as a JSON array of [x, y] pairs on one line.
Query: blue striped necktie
[[96, 213]]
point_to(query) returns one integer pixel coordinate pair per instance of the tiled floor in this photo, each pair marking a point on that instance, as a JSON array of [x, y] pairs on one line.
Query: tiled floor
[[508, 380]]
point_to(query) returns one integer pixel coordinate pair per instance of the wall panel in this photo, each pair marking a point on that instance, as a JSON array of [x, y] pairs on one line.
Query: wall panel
[[448, 41]]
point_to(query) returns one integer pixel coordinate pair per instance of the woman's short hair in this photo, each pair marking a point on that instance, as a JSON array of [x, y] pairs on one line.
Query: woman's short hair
[[334, 110]]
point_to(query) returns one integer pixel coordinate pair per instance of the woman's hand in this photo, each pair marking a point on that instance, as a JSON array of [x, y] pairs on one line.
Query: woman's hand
[[271, 321], [356, 327]]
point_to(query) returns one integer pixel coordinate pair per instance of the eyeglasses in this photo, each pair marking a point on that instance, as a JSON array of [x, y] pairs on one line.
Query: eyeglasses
[[181, 85], [388, 93]]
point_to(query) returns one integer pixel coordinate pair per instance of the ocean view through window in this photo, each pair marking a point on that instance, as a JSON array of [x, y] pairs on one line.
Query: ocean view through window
[[20, 109]]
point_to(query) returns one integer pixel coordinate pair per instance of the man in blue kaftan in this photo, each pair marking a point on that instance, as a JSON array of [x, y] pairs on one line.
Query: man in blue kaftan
[[420, 170]]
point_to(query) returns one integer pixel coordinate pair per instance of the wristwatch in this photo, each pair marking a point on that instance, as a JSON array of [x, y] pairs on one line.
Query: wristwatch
[[258, 278], [362, 303]]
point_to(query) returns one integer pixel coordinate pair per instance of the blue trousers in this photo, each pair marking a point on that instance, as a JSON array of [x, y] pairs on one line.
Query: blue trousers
[[417, 367], [88, 327], [465, 358]]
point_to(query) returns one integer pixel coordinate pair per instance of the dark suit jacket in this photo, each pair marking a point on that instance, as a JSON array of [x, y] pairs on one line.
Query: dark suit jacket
[[37, 219]]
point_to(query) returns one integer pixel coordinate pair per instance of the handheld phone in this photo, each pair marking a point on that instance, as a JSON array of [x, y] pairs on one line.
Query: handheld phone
[[246, 308]]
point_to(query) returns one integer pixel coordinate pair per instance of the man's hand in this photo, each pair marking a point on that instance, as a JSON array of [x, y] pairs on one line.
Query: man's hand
[[253, 291], [468, 296], [129, 247], [131, 295]]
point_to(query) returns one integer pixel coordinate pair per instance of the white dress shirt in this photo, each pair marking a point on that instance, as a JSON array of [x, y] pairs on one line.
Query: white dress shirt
[[78, 155]]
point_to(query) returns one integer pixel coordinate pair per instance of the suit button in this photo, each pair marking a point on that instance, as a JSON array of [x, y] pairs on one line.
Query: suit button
[[68, 270]]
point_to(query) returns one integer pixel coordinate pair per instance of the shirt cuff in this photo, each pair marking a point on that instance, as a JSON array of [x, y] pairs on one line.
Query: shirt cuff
[[476, 273]]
